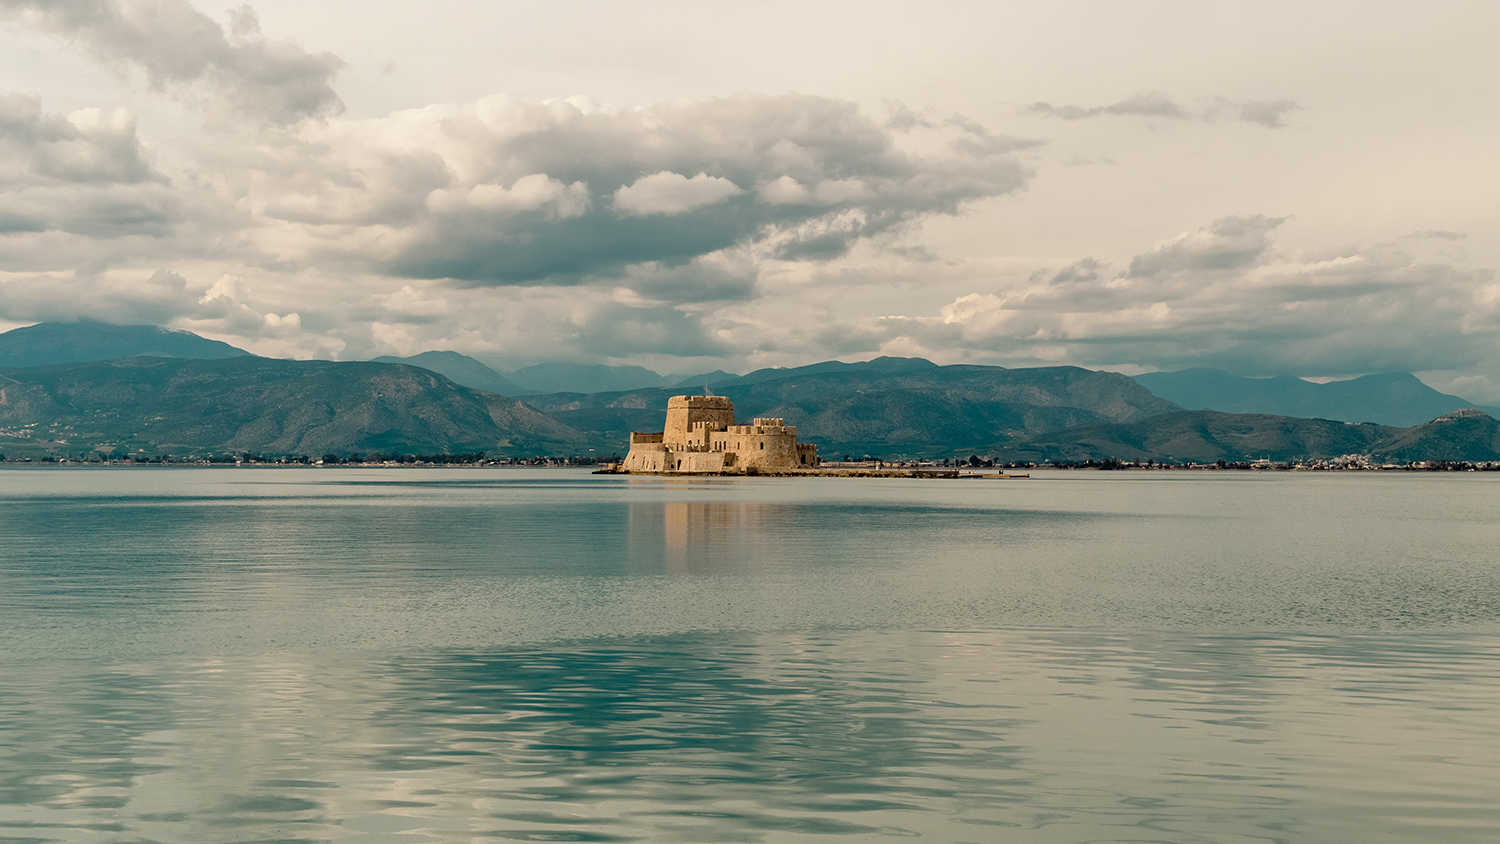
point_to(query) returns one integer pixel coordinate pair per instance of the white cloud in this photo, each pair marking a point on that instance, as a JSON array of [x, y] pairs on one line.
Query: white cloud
[[673, 193], [737, 229], [498, 192], [174, 44], [529, 193], [1228, 296], [784, 190], [837, 191], [788, 191], [85, 174]]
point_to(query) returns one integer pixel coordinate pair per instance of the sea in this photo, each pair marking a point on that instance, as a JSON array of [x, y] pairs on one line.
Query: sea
[[475, 655]]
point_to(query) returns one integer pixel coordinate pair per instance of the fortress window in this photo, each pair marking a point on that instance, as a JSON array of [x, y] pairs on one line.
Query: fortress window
[[762, 446]]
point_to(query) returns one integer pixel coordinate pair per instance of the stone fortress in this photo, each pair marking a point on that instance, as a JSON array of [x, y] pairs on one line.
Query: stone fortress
[[702, 438]]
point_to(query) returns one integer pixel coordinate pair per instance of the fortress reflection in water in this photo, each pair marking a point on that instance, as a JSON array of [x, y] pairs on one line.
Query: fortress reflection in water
[[709, 537]]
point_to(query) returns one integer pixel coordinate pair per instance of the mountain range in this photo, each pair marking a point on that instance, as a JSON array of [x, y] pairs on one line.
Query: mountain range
[[887, 405], [48, 343], [176, 392], [460, 369], [1207, 436], [560, 377], [1393, 398], [552, 376], [265, 405]]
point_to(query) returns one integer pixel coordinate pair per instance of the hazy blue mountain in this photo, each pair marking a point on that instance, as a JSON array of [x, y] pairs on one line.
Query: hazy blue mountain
[[1207, 436], [268, 406], [49, 343], [878, 366], [560, 377], [710, 379], [1397, 398], [1201, 436], [887, 407], [460, 369]]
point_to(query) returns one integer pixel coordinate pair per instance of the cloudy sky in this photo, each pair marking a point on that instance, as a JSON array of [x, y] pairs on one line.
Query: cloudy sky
[[1262, 187]]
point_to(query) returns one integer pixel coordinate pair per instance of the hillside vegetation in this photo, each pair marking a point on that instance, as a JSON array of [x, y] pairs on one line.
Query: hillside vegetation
[[268, 406], [1205, 436], [460, 369], [196, 396], [49, 343], [887, 406]]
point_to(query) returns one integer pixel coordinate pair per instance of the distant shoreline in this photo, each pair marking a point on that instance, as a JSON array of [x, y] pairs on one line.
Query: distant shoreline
[[951, 473]]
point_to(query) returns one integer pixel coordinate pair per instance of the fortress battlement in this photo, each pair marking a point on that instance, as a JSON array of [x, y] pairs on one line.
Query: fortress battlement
[[701, 437]]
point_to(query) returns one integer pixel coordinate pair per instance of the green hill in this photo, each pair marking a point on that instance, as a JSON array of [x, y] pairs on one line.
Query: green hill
[[1206, 436], [1468, 435], [48, 343], [1201, 436], [266, 406], [887, 407], [460, 369]]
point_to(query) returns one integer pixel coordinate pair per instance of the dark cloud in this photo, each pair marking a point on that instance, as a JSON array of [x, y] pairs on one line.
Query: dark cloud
[[614, 330], [103, 213], [13, 222], [1226, 296], [83, 174], [1157, 105], [173, 43], [1229, 243], [88, 146], [562, 193], [693, 283], [153, 300], [1083, 273]]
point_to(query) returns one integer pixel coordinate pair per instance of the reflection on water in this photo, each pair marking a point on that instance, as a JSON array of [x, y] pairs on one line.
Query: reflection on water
[[710, 537], [462, 656], [974, 736]]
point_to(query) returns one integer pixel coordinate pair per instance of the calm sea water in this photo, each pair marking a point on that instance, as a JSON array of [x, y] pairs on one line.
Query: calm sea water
[[476, 655]]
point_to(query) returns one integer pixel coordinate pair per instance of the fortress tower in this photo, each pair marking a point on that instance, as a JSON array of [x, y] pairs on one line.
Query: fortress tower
[[684, 413], [701, 437]]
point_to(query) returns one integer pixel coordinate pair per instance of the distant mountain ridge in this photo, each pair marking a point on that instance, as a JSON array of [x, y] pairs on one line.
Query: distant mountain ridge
[[460, 369], [267, 405], [1200, 436], [704, 379], [563, 377], [1397, 398], [887, 405], [176, 392], [48, 343], [1208, 436]]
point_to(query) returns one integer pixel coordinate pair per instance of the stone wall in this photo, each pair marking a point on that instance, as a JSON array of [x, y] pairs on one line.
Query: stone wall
[[685, 412], [761, 446], [701, 437]]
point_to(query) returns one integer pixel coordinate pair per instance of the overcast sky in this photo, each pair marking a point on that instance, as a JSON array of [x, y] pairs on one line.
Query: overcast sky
[[1267, 188]]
